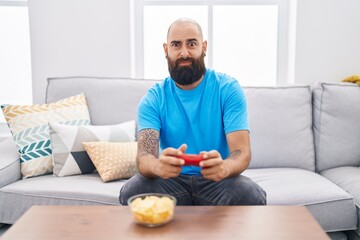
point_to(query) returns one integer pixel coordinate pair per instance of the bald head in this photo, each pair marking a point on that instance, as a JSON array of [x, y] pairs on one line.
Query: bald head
[[185, 21]]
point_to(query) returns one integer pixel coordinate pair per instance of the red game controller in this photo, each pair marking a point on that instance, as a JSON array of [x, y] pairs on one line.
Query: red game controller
[[191, 159]]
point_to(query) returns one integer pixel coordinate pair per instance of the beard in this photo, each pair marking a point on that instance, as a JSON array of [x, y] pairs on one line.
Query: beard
[[186, 75]]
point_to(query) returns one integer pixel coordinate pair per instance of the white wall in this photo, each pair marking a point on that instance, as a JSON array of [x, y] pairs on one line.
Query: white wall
[[92, 37], [77, 38], [327, 40]]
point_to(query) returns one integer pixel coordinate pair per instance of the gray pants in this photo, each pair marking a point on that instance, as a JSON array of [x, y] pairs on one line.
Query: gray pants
[[195, 190]]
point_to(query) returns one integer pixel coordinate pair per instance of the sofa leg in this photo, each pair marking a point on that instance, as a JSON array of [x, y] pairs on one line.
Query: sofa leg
[[337, 236]]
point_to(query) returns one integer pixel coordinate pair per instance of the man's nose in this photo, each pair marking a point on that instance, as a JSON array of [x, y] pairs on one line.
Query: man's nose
[[184, 52]]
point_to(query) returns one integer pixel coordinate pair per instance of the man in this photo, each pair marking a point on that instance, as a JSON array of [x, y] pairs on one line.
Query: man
[[195, 111]]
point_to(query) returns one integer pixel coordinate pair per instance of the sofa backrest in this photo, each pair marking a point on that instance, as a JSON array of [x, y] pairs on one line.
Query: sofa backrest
[[336, 125], [110, 100], [280, 120], [280, 117]]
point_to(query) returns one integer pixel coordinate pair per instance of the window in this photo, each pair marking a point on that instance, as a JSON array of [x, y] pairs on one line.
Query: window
[[15, 66], [155, 64], [245, 42], [248, 40]]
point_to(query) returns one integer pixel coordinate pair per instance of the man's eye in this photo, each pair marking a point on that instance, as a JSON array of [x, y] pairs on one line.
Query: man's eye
[[175, 44], [192, 44]]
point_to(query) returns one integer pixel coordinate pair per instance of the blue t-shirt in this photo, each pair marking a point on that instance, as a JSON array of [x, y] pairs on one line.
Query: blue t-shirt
[[200, 117]]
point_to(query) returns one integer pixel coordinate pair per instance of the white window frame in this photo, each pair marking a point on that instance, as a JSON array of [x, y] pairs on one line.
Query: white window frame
[[13, 3], [286, 32], [10, 3]]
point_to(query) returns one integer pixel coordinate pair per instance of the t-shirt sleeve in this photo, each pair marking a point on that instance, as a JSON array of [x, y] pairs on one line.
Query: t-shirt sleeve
[[148, 112], [235, 109]]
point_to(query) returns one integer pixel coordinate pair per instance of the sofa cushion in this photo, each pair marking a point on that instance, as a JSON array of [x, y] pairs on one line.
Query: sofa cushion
[[110, 100], [29, 127], [348, 178], [113, 160], [69, 154], [280, 120], [87, 189], [337, 125], [331, 206]]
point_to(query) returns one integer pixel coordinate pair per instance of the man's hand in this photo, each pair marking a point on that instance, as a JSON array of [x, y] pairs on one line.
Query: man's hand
[[169, 165], [213, 166]]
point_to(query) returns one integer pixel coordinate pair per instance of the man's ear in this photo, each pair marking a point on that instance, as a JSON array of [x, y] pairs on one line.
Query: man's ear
[[165, 49], [204, 47]]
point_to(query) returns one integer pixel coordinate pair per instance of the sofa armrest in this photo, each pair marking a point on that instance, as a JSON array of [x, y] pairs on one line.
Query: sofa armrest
[[9, 162]]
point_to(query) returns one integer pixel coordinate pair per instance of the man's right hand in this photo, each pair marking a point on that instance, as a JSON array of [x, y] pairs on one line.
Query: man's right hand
[[169, 165]]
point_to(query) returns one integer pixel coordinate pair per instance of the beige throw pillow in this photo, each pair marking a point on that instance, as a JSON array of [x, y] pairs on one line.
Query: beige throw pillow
[[113, 160]]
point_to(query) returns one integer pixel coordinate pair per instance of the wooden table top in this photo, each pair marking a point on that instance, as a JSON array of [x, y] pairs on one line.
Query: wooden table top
[[190, 222]]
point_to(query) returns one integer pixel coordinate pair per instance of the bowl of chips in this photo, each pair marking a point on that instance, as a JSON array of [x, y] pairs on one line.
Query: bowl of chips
[[152, 209]]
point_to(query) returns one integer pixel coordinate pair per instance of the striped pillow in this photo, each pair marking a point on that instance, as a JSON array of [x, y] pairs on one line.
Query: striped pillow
[[29, 127]]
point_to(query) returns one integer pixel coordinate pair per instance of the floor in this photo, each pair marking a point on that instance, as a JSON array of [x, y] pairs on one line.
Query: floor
[[4, 228]]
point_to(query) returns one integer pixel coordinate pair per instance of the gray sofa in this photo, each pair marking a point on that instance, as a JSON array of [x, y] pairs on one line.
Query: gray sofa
[[305, 150]]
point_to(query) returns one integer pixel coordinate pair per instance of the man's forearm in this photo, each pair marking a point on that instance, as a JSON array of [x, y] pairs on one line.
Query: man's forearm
[[148, 152], [146, 164], [236, 163]]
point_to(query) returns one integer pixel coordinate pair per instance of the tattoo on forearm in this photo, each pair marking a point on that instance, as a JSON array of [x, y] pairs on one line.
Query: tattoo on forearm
[[234, 154], [148, 142]]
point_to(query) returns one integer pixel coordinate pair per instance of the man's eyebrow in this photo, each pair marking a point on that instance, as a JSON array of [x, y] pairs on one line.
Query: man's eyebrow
[[192, 40], [176, 42]]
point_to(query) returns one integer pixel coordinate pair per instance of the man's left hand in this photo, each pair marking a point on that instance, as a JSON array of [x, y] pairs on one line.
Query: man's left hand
[[213, 167]]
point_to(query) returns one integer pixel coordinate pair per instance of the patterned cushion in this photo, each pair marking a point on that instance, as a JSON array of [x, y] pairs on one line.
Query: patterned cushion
[[70, 157], [29, 127], [113, 160]]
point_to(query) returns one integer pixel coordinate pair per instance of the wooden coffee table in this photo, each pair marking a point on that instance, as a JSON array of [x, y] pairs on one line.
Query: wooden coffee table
[[190, 222]]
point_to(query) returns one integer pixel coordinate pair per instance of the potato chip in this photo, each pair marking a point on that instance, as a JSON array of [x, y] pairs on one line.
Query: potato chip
[[152, 209]]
